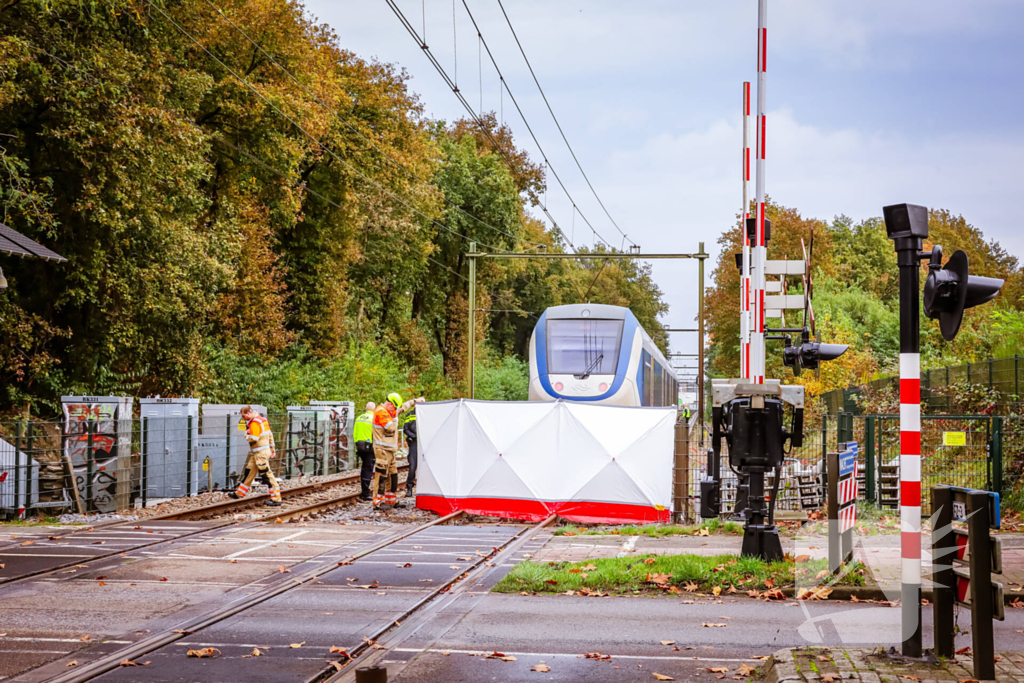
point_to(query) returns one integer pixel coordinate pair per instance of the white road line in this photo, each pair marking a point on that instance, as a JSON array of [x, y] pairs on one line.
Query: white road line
[[267, 544], [628, 546], [575, 654]]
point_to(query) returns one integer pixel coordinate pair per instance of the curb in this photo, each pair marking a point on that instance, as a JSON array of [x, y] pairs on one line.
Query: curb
[[875, 593], [780, 668]]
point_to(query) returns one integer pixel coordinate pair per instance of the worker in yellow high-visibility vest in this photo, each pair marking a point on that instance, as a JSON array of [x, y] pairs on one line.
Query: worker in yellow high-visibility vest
[[362, 434]]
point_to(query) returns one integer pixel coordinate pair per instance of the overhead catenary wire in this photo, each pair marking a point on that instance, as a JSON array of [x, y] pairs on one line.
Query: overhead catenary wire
[[355, 130], [468, 107], [324, 147], [557, 124], [529, 129]]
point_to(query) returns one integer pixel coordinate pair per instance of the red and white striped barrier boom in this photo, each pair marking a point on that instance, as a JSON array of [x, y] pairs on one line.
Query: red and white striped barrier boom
[[760, 253], [910, 489], [745, 259]]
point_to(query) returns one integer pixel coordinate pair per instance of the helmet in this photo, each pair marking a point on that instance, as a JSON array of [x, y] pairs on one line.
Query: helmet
[[395, 399]]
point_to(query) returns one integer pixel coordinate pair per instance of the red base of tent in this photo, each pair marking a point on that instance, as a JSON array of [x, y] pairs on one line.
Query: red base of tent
[[536, 510]]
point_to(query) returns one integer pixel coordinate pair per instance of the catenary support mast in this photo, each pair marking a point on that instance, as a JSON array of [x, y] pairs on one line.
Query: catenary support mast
[[757, 355]]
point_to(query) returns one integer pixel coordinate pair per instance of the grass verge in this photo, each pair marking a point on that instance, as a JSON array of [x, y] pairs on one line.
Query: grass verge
[[673, 573], [712, 526]]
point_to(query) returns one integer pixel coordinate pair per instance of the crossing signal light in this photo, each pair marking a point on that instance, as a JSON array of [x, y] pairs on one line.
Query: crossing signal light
[[951, 288], [809, 353]]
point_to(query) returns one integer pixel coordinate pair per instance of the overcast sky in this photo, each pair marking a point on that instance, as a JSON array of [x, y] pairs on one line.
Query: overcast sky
[[870, 103]]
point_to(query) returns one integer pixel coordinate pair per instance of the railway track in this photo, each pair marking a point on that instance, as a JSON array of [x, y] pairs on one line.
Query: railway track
[[24, 562], [226, 627]]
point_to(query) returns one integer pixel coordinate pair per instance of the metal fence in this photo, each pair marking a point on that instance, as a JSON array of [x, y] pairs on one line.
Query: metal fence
[[118, 465], [977, 451], [1003, 376]]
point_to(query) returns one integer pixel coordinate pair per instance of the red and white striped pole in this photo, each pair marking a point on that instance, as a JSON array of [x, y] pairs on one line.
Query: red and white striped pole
[[760, 252], [745, 259], [908, 259]]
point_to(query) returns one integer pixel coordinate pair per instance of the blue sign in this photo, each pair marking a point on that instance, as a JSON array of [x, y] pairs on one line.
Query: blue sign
[[848, 459]]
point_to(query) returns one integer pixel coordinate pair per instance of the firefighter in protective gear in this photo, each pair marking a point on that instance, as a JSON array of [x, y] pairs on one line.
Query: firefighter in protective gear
[[362, 434], [261, 450], [385, 443], [407, 420]]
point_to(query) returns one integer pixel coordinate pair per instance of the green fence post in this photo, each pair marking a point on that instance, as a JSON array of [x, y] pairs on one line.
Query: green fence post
[[824, 446], [996, 454], [869, 458], [1016, 392], [17, 469]]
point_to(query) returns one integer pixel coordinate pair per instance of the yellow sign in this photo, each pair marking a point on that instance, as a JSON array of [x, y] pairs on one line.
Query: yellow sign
[[241, 424], [954, 438], [206, 465]]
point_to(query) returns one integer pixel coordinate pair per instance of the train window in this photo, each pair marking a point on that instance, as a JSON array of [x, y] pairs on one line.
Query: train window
[[583, 347], [645, 387], [659, 386]]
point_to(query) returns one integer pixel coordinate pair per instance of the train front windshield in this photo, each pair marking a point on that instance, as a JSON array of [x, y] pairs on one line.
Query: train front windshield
[[583, 347]]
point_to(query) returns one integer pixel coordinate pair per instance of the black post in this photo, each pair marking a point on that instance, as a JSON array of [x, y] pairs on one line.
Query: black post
[[17, 469], [980, 548], [832, 486], [943, 579], [188, 458], [907, 226], [90, 459], [28, 453]]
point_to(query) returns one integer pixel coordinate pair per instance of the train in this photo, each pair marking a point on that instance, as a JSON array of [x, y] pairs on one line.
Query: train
[[599, 354]]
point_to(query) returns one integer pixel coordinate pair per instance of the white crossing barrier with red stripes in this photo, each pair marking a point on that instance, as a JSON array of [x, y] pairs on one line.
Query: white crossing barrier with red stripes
[[842, 504]]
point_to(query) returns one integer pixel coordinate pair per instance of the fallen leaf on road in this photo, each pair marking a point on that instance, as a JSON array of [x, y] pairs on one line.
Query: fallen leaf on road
[[668, 642], [255, 653], [660, 677], [84, 638], [543, 668], [454, 567], [232, 560], [163, 578], [128, 662], [463, 559], [340, 651], [282, 570], [296, 646], [703, 532], [72, 663], [500, 655], [178, 630], [104, 583], [745, 670], [910, 678], [824, 658], [28, 543], [446, 654], [969, 680], [718, 670], [337, 666], [829, 678], [204, 652], [373, 644], [964, 651], [717, 590], [714, 625], [407, 564], [597, 655]]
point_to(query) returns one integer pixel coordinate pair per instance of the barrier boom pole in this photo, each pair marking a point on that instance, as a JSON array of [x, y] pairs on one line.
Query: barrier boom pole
[[757, 351], [745, 241]]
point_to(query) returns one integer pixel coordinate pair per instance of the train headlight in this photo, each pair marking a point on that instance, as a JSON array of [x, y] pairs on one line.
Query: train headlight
[[558, 386], [603, 386]]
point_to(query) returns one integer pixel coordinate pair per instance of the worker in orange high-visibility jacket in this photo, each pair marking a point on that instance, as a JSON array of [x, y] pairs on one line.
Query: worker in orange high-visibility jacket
[[261, 450], [385, 444]]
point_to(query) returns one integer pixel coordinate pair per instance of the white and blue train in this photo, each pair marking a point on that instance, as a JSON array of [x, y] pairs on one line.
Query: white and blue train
[[600, 354]]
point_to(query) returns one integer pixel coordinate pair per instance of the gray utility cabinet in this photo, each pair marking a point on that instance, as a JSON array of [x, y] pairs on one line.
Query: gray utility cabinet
[[319, 437], [223, 423], [19, 479], [102, 460], [170, 435]]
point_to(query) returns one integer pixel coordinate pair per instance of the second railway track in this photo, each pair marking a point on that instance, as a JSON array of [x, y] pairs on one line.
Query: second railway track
[[33, 558]]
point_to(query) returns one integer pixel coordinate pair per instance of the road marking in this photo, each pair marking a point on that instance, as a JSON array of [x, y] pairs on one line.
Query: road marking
[[628, 546], [267, 544], [575, 654]]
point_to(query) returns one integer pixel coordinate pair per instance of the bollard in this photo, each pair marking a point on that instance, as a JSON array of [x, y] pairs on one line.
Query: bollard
[[943, 579], [981, 585], [372, 674]]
